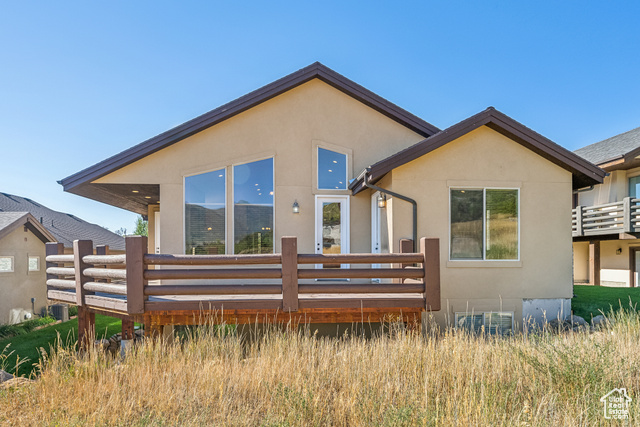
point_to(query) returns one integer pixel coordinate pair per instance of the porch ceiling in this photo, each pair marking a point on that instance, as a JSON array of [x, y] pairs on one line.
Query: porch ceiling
[[132, 197]]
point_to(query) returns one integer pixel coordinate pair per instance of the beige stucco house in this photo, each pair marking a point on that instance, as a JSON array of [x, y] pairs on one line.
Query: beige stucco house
[[317, 156], [605, 220], [22, 272]]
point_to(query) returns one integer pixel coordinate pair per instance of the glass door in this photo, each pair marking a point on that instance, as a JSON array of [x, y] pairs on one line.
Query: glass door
[[332, 226]]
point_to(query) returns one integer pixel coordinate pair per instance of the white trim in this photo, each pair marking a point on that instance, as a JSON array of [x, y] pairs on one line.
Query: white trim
[[345, 229], [13, 264], [484, 259], [29, 257]]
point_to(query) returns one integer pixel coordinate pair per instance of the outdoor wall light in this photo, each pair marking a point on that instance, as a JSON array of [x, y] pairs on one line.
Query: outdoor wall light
[[382, 201], [296, 207], [618, 251]]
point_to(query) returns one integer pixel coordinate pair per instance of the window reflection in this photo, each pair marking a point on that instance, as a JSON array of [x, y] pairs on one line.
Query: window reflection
[[205, 213], [253, 207], [332, 170]]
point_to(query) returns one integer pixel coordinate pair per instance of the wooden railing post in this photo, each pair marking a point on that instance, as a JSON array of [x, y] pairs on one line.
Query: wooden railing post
[[579, 228], [430, 248], [86, 319], [136, 249], [626, 214], [290, 274]]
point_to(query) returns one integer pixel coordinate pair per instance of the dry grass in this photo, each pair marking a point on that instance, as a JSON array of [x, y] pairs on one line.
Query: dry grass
[[281, 378]]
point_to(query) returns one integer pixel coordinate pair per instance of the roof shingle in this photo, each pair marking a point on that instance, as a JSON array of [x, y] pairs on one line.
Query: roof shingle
[[611, 148], [64, 227]]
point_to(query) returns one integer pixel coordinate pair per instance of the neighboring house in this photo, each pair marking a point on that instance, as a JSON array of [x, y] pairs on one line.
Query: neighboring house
[[317, 156], [25, 227], [64, 227], [22, 272], [606, 227]]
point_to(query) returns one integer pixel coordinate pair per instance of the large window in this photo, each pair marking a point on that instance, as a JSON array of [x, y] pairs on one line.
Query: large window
[[332, 170], [253, 207], [205, 213], [484, 224]]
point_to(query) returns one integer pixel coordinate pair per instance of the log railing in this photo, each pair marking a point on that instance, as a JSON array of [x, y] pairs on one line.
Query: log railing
[[287, 281], [609, 218]]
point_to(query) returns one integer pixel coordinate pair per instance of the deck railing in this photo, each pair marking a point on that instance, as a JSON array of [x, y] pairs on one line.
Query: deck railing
[[609, 218], [292, 281]]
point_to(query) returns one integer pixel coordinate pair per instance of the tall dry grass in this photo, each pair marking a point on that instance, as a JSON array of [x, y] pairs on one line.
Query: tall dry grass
[[280, 378]]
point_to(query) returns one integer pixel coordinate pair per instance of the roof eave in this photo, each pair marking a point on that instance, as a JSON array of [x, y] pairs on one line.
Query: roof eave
[[245, 102], [584, 172]]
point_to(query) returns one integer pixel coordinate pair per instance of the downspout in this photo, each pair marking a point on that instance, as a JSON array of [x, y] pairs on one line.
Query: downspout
[[401, 197]]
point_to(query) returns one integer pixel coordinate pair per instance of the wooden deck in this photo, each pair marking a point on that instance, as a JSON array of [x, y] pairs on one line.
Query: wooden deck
[[293, 288]]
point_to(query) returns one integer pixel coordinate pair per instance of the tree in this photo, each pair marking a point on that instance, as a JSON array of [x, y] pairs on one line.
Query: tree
[[142, 227]]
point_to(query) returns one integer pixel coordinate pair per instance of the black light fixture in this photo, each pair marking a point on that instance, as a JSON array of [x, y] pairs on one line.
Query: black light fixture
[[618, 251], [382, 201], [296, 207]]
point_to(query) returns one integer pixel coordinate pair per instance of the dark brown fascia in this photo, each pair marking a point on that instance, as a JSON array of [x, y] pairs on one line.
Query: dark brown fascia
[[32, 224], [316, 70], [584, 172]]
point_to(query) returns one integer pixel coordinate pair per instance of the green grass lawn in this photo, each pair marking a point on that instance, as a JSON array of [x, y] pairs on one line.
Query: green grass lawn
[[28, 346], [590, 300]]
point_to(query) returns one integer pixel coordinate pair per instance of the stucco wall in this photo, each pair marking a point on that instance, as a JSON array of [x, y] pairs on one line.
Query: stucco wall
[[17, 288], [485, 158], [288, 128], [614, 267]]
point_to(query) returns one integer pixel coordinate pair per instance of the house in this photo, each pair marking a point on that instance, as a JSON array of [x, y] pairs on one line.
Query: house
[[64, 227], [605, 225], [25, 227], [317, 156], [22, 273]]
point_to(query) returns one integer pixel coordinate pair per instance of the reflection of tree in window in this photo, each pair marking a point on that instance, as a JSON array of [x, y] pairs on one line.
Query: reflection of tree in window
[[253, 207]]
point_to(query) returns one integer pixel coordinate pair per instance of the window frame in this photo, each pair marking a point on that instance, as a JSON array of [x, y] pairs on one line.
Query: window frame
[[184, 205], [229, 212], [13, 264], [29, 263], [232, 248], [346, 169], [484, 224], [484, 315], [316, 144]]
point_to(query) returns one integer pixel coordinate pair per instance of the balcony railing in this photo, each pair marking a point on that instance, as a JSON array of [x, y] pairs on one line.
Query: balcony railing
[[609, 218]]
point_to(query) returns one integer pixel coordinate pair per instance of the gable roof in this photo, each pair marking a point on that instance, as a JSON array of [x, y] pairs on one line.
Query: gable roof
[[584, 172], [250, 100], [10, 221], [623, 148], [61, 227]]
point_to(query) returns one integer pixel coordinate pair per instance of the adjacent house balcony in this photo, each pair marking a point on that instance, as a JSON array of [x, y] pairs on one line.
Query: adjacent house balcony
[[611, 220]]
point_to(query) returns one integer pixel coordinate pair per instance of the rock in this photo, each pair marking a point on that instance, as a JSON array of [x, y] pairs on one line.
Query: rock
[[5, 376], [577, 321], [557, 325], [599, 321]]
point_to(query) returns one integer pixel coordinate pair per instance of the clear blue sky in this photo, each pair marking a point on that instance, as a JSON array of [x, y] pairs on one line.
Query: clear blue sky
[[81, 81]]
